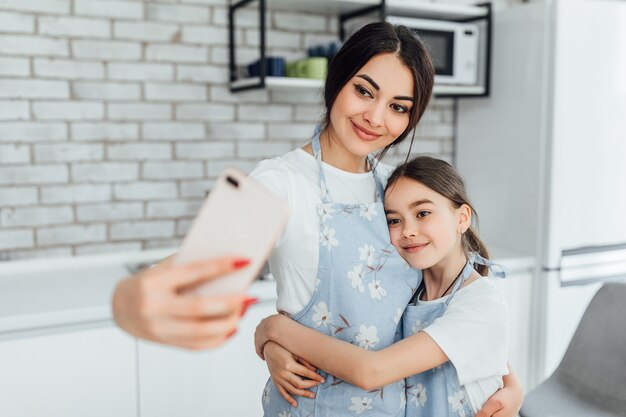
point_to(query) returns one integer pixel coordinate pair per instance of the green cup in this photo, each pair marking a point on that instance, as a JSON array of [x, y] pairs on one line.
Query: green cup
[[314, 67]]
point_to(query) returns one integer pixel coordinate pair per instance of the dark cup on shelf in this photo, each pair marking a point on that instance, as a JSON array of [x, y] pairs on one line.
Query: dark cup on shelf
[[274, 67]]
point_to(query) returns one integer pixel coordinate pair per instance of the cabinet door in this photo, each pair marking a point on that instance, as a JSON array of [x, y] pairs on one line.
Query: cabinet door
[[227, 381], [75, 374], [516, 292]]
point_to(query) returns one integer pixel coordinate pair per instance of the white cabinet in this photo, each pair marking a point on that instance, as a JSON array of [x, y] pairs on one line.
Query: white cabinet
[[228, 381], [90, 372], [516, 292]]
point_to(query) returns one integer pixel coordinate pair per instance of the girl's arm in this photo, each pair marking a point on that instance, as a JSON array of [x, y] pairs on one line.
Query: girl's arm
[[362, 368]]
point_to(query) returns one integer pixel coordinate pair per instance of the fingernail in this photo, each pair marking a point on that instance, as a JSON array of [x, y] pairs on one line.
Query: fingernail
[[247, 302], [240, 263], [323, 380], [231, 333]]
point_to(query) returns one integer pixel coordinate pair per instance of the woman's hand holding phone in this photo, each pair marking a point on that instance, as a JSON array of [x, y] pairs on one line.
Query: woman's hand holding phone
[[154, 305]]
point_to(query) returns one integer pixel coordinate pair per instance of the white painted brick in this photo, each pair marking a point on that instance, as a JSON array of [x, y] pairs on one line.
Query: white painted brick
[[140, 72], [315, 39], [432, 130], [19, 88], [420, 146], [297, 131], [67, 235], [14, 154], [52, 252], [139, 111], [74, 27], [145, 31], [107, 50], [276, 38], [172, 170], [202, 73], [220, 16], [71, 110], [178, 13], [299, 21], [105, 131], [162, 243], [175, 92], [109, 8], [209, 2], [274, 112], [305, 96], [309, 113], [106, 91], [142, 230], [243, 55], [46, 6], [14, 110], [61, 68], [94, 249], [236, 131], [262, 150], [245, 18], [223, 94], [32, 132], [109, 211], [214, 168], [205, 150], [36, 216], [68, 194], [145, 191], [197, 189], [37, 174], [176, 53], [11, 239], [14, 66], [205, 35], [105, 172], [205, 112], [18, 196], [33, 46], [183, 226], [139, 151], [68, 152], [16, 22], [173, 209], [173, 131]]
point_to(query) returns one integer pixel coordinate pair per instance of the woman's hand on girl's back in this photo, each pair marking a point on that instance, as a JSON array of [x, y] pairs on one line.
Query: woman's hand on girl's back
[[507, 401], [290, 374]]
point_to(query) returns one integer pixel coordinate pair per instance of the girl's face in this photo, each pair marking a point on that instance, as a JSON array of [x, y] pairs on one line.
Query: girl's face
[[424, 226], [372, 109]]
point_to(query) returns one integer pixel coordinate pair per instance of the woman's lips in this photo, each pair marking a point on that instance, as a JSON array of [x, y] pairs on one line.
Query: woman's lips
[[414, 248], [363, 133]]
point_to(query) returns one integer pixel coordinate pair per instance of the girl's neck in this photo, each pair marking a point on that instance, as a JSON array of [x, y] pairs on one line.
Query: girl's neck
[[438, 278], [336, 154]]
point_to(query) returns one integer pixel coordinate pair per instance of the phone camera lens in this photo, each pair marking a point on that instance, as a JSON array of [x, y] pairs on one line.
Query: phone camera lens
[[233, 181]]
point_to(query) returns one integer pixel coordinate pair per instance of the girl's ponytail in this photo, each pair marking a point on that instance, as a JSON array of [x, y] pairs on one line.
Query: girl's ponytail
[[472, 243]]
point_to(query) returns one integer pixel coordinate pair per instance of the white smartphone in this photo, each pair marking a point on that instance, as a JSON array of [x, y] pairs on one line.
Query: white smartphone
[[238, 218]]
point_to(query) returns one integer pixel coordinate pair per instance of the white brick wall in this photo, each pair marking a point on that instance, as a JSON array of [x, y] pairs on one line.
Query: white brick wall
[[116, 117]]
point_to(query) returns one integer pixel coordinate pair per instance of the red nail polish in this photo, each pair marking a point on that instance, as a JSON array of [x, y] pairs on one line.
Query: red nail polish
[[247, 302], [231, 333], [240, 263]]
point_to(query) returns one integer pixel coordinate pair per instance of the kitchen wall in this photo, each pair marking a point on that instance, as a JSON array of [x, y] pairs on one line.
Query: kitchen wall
[[116, 117]]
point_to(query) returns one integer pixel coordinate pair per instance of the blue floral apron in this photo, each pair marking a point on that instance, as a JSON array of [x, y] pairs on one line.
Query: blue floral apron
[[437, 392], [362, 289]]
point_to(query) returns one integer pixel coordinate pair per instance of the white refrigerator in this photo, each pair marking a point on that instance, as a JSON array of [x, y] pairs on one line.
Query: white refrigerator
[[544, 158]]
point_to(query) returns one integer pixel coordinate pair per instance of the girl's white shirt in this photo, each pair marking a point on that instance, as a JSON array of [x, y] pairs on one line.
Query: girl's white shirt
[[474, 334], [295, 177]]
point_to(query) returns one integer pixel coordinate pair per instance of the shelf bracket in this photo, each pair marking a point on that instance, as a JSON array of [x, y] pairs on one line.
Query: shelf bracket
[[232, 47]]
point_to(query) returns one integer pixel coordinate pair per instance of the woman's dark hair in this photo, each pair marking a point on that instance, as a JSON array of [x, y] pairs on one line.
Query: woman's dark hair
[[442, 178], [374, 39]]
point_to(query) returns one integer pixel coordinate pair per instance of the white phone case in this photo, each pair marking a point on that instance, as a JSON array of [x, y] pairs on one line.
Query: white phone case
[[238, 218]]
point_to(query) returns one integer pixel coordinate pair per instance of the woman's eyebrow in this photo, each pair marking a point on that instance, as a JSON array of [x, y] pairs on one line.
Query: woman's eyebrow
[[377, 87]]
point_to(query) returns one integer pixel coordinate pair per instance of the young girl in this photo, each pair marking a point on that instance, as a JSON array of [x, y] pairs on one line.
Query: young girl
[[454, 351]]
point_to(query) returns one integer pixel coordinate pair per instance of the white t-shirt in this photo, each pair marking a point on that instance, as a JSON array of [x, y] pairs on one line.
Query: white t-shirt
[[295, 177], [473, 333]]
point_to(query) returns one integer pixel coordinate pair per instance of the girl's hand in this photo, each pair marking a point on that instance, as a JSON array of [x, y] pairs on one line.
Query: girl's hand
[[505, 402], [287, 373], [153, 305]]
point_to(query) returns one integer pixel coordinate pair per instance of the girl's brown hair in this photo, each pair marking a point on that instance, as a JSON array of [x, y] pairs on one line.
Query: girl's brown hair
[[441, 177]]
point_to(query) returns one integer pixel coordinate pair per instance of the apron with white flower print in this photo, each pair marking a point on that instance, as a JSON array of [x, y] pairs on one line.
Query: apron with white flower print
[[362, 289], [437, 392]]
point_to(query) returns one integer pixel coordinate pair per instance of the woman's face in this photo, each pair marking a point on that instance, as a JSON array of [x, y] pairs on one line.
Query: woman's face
[[373, 108], [424, 226]]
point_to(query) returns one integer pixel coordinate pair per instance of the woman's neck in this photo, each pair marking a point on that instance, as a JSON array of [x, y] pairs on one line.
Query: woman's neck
[[336, 154], [438, 278]]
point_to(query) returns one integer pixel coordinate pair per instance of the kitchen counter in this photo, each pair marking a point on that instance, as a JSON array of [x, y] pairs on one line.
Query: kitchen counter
[[48, 293]]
